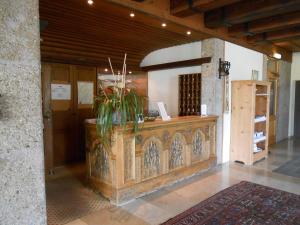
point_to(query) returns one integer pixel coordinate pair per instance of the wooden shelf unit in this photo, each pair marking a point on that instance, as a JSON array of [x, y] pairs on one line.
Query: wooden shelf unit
[[249, 99], [189, 94]]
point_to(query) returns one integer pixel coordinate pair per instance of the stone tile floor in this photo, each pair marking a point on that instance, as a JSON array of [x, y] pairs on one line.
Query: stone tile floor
[[161, 205]]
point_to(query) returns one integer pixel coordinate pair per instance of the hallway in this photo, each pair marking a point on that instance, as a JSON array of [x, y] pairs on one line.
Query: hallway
[[169, 201]]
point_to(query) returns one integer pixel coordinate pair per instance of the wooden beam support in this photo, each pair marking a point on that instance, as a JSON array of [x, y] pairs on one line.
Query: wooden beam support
[[276, 35], [246, 11], [184, 8], [178, 64], [265, 25], [196, 24]]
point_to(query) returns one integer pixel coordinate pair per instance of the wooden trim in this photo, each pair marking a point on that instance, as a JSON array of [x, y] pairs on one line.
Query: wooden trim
[[178, 64], [47, 118]]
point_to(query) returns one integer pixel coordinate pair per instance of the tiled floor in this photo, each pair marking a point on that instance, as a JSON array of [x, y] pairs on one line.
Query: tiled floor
[[168, 202]]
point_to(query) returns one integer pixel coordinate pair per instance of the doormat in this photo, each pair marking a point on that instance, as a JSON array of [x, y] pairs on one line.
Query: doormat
[[290, 168]]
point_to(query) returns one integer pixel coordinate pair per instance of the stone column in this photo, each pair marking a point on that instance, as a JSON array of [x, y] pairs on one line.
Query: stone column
[[213, 87], [282, 130], [265, 68], [22, 184]]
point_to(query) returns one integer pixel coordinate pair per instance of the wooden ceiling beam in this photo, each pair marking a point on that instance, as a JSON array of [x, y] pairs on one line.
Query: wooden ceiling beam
[[265, 25], [246, 11], [196, 23], [274, 36], [182, 8], [178, 64], [289, 45]]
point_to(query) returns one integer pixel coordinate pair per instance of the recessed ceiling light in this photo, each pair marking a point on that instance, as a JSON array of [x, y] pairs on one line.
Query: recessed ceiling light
[[277, 56], [132, 14], [163, 24], [90, 2], [130, 72], [106, 70], [188, 32]]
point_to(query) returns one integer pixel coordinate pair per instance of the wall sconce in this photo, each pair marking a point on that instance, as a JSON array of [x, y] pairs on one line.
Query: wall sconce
[[224, 67]]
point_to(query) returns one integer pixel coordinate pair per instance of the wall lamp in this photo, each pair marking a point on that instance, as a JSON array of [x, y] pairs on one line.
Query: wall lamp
[[224, 67]]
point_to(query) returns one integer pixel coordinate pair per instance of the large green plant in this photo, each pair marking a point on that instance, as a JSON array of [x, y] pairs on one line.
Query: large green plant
[[117, 101]]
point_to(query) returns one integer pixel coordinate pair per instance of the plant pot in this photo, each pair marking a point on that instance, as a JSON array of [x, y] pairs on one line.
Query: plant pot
[[116, 118]]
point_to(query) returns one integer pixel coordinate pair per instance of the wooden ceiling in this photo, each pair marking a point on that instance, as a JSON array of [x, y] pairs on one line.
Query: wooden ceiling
[[82, 34], [257, 22]]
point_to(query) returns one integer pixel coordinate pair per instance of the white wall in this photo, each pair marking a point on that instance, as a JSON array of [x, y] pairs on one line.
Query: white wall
[[243, 61], [295, 75], [163, 84]]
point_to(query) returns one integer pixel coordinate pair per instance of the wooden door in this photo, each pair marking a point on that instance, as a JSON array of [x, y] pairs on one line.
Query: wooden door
[[297, 110], [63, 115], [85, 77]]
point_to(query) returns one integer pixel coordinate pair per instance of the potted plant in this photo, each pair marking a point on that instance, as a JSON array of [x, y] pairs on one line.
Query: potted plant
[[116, 105]]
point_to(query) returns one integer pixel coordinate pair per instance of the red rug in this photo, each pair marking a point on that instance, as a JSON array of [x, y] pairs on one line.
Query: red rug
[[243, 204]]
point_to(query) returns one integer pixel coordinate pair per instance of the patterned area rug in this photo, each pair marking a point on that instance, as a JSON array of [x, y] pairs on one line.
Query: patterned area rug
[[243, 204]]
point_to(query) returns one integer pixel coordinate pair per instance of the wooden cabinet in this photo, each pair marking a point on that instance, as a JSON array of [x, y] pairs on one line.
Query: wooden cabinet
[[249, 121], [189, 94]]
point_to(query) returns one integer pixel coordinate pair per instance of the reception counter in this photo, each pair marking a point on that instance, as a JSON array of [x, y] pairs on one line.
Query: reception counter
[[159, 154]]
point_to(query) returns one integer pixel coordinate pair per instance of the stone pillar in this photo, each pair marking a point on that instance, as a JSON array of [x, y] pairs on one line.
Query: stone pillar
[[213, 87], [265, 68], [282, 130], [22, 184]]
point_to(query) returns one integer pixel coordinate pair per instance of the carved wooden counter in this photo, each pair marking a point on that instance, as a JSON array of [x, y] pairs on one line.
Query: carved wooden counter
[[161, 153]]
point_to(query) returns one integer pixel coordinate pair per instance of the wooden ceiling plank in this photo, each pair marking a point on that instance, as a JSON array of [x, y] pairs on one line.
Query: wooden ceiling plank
[[265, 25], [113, 17], [246, 11]]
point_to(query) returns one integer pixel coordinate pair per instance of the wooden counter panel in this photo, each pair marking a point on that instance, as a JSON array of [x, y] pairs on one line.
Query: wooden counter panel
[[161, 152]]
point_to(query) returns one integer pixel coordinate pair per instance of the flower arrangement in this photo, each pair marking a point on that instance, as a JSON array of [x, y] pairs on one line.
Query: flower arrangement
[[117, 105]]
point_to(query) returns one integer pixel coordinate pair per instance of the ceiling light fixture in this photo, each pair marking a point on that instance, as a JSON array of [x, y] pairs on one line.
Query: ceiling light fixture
[[132, 14], [90, 2], [277, 55], [188, 32], [163, 24], [106, 70], [129, 72]]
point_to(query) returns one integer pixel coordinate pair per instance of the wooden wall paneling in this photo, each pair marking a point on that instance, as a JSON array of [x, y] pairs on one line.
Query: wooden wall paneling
[[67, 115], [47, 118], [82, 111], [63, 118]]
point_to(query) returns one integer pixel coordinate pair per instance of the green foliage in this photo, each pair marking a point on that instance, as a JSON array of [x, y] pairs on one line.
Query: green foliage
[[127, 105]]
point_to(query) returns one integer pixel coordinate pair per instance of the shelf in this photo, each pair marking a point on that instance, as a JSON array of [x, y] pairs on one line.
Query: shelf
[[261, 139], [258, 156]]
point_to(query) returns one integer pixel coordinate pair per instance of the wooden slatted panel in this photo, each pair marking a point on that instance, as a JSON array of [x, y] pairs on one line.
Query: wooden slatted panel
[[82, 34]]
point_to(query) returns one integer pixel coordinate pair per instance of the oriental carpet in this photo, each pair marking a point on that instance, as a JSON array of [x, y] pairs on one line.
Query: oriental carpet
[[243, 204]]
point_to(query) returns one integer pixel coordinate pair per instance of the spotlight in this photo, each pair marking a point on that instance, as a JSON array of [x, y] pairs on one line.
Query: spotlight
[[188, 32], [163, 24], [132, 15], [277, 56], [90, 2]]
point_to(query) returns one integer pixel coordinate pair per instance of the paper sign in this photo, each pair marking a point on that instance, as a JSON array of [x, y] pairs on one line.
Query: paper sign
[[203, 110], [60, 91], [163, 111], [85, 92]]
